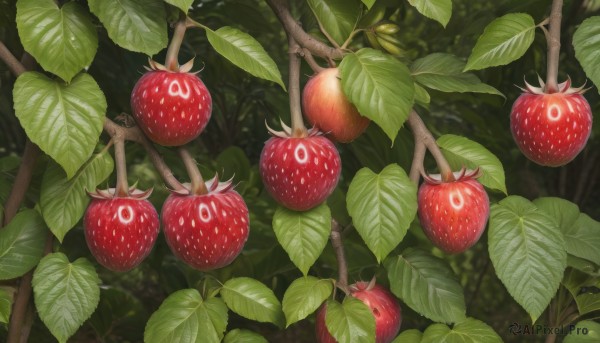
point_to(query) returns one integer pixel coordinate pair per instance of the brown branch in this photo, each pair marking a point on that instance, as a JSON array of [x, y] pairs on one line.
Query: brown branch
[[21, 183], [423, 135], [198, 185], [338, 246], [305, 40], [416, 168], [298, 128], [122, 187], [11, 61], [553, 41], [308, 57], [171, 61]]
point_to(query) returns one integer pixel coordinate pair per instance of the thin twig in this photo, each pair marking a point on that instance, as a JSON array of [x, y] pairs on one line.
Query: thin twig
[[298, 128], [122, 187], [308, 57], [338, 246], [171, 61], [416, 168], [11, 61], [553, 41], [198, 185]]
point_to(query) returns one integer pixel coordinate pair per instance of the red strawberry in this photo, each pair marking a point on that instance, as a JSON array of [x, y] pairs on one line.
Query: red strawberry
[[300, 173], [120, 231], [453, 214], [551, 128], [206, 231], [385, 307], [327, 108], [172, 108]]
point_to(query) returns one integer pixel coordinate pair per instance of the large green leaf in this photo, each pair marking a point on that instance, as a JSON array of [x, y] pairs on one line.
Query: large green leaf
[[444, 72], [337, 17], [62, 40], [66, 294], [461, 151], [438, 10], [63, 201], [136, 25], [382, 207], [183, 5], [21, 244], [581, 233], [586, 331], [243, 336], [504, 40], [469, 331], [586, 41], [304, 296], [427, 284], [245, 52], [6, 300], [64, 120], [409, 336], [303, 235], [350, 322], [368, 3], [380, 86], [252, 299], [528, 252], [587, 303], [185, 317]]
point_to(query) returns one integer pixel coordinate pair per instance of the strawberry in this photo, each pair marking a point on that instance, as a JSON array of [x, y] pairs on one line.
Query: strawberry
[[206, 231], [453, 214], [172, 108], [326, 107], [382, 303], [299, 172], [120, 231], [551, 128]]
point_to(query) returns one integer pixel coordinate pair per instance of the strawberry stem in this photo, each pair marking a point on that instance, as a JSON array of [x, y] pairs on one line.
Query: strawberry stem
[[171, 62], [198, 185], [122, 188], [298, 128], [338, 246], [553, 41]]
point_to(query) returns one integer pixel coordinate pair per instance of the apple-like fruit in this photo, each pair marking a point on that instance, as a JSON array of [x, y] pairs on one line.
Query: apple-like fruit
[[326, 107], [383, 304]]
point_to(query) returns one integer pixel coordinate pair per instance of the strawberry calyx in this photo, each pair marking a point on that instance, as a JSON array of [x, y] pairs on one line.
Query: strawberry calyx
[[289, 133], [111, 193], [214, 186], [184, 68], [362, 285], [564, 88], [463, 174]]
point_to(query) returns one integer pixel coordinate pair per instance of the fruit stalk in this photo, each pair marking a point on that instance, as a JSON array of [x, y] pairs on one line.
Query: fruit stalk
[[553, 41], [171, 61], [198, 185], [122, 188], [298, 128], [338, 246], [416, 168], [308, 57]]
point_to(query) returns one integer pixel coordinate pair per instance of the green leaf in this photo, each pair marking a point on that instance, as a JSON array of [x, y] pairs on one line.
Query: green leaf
[[380, 86], [136, 25], [183, 5], [66, 294], [63, 201], [469, 331], [427, 285], [422, 97], [409, 336], [444, 72], [243, 336], [382, 207], [185, 317], [62, 40], [252, 299], [6, 300], [528, 252], [303, 235], [21, 244], [64, 120], [244, 51], [461, 151], [583, 265], [368, 3], [586, 41], [337, 17], [586, 331], [587, 303], [304, 296], [350, 322], [504, 40], [438, 10]]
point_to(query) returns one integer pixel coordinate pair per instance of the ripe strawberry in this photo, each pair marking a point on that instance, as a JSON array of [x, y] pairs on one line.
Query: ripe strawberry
[[120, 231], [300, 173], [327, 108], [383, 304], [206, 231], [172, 108], [551, 128], [453, 214]]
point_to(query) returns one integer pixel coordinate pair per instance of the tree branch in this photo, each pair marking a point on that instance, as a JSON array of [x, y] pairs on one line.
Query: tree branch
[[553, 41], [298, 128], [11, 61], [338, 246], [308, 57]]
